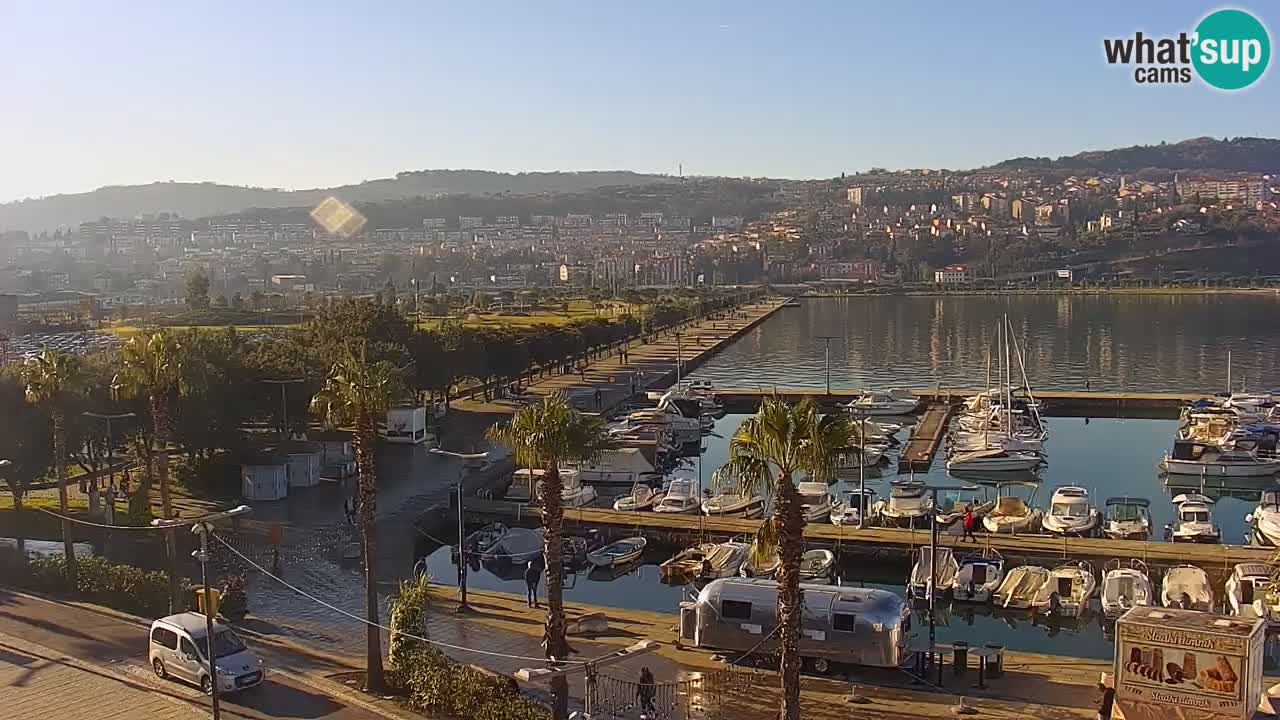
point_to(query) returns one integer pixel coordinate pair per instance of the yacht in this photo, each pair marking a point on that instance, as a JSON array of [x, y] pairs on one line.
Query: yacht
[[1070, 513], [977, 577], [618, 553], [815, 501], [889, 402], [1012, 514], [1248, 592], [1068, 590], [1264, 521], [1193, 520], [573, 493], [1203, 460], [858, 506], [668, 416], [681, 499], [908, 505], [1125, 587], [924, 578], [617, 468], [997, 459], [734, 505], [1020, 586], [1127, 518], [1186, 587], [642, 497], [816, 566]]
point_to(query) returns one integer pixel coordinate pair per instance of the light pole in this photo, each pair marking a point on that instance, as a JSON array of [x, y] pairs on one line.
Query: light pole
[[417, 309], [679, 356], [203, 527], [589, 669], [933, 544], [284, 405], [826, 339], [462, 534], [108, 417]]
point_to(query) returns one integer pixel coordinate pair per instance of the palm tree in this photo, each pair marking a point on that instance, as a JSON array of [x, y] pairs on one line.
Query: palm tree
[[53, 377], [359, 393], [767, 452], [544, 435]]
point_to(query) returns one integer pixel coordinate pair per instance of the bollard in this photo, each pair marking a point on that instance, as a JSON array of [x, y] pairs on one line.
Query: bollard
[[959, 657], [856, 697], [995, 666], [963, 707]]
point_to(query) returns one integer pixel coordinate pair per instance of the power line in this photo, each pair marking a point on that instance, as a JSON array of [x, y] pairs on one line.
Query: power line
[[78, 521]]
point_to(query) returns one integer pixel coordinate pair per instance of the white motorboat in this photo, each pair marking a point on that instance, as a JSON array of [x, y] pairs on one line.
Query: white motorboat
[[816, 566], [767, 569], [642, 497], [815, 501], [573, 493], [1264, 521], [1127, 518], [734, 505], [618, 553], [1186, 587], [688, 562], [1202, 460], [858, 506], [681, 499], [1068, 590], [1125, 587], [482, 541], [1070, 513], [997, 459], [978, 577], [724, 560], [1020, 586], [908, 505], [519, 545], [1249, 594], [925, 579], [1012, 514], [893, 401], [867, 456], [1193, 520], [617, 468]]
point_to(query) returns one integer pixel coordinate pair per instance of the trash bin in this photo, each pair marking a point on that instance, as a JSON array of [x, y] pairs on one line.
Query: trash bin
[[995, 666], [959, 657], [213, 595]]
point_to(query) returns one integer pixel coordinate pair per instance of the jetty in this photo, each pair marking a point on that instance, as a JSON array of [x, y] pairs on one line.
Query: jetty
[[926, 438], [1062, 403]]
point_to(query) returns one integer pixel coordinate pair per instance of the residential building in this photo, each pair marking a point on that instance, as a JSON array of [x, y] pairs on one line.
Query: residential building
[[577, 275], [468, 222], [953, 275], [855, 196], [1248, 189]]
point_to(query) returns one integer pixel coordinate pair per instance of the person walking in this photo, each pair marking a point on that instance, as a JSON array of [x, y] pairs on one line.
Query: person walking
[[969, 522], [646, 691], [532, 576], [1108, 698], [599, 398]]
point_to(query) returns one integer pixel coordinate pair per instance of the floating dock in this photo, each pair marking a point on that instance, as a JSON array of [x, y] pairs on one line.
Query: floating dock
[[926, 437]]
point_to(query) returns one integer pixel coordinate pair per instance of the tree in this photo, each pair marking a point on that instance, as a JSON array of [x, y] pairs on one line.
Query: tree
[[767, 452], [544, 435], [26, 445], [237, 302], [198, 290], [359, 393], [53, 377]]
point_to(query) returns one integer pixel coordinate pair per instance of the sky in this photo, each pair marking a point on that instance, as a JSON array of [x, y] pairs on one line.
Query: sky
[[283, 93]]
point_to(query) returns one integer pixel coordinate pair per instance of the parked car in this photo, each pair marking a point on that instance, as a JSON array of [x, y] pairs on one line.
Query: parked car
[[179, 649]]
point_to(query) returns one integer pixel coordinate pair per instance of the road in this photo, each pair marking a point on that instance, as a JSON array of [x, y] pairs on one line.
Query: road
[[59, 661]]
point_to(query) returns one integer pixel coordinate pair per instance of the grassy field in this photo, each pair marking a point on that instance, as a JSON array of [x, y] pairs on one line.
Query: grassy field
[[131, 330]]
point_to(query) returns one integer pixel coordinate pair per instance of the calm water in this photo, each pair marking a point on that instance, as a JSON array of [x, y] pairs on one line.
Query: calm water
[[1173, 343]]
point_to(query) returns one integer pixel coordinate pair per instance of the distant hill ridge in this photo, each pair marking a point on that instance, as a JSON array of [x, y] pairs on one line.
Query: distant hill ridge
[[1202, 154]]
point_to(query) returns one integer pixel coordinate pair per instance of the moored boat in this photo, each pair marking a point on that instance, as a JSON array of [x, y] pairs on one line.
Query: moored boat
[[1012, 514], [1193, 520], [681, 499], [934, 572], [815, 501], [817, 565], [1071, 513], [618, 553], [1125, 587], [1186, 587], [978, 577], [734, 505], [1249, 592], [1127, 518], [1067, 591], [1020, 586], [642, 497], [909, 504]]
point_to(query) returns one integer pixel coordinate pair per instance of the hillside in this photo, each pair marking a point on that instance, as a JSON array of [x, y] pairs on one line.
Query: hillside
[[196, 200], [1243, 154]]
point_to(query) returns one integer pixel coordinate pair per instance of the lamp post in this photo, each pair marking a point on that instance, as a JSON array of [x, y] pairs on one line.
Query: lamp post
[[462, 534], [933, 544], [284, 405], [203, 527], [108, 417], [417, 308], [590, 670], [826, 339]]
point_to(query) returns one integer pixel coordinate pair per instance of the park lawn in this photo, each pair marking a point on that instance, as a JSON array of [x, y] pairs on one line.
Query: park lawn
[[131, 330], [42, 502]]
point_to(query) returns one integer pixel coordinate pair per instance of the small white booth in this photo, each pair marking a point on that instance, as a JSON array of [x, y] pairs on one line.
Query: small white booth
[[264, 477], [408, 425], [302, 463]]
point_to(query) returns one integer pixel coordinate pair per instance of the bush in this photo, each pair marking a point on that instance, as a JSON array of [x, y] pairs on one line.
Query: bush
[[123, 587]]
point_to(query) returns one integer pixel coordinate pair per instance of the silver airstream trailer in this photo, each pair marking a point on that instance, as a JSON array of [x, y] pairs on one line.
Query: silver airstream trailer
[[857, 626]]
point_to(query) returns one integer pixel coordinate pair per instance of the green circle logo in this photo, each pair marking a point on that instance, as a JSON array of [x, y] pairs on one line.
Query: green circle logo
[[1232, 49]]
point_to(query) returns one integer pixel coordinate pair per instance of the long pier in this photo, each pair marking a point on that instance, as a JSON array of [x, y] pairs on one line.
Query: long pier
[[1060, 403], [883, 541], [917, 454]]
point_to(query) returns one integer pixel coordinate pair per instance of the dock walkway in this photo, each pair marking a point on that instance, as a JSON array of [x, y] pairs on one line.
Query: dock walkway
[[926, 437]]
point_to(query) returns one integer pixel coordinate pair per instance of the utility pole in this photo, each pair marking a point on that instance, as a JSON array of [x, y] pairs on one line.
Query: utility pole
[[826, 339], [284, 405], [462, 533]]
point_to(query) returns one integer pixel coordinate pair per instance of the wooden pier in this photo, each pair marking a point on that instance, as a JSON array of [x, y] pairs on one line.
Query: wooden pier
[[926, 437], [1063, 403], [883, 541]]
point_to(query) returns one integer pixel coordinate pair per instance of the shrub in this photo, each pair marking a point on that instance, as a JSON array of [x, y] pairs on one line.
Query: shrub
[[123, 587]]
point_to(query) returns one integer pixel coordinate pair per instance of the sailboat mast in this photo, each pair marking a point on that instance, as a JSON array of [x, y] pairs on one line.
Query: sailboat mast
[[1008, 396], [1228, 372], [986, 419]]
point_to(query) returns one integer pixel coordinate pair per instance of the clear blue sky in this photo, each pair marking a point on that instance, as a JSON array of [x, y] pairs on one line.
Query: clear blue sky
[[303, 94]]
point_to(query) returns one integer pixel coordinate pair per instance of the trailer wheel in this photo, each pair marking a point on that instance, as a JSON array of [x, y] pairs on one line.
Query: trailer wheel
[[821, 666]]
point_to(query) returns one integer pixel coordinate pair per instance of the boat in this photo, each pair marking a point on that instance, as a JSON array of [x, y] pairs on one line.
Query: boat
[[1193, 520], [1012, 514], [1186, 587], [519, 545], [1249, 593], [1203, 460], [734, 505], [858, 506], [815, 501], [688, 562], [1127, 518], [617, 468], [480, 542], [893, 401], [1264, 521], [621, 552], [642, 497], [1070, 513], [681, 499], [767, 569], [1125, 587], [977, 577], [855, 458], [817, 566], [909, 505], [924, 578], [995, 459], [1068, 590], [1020, 586], [712, 560], [573, 493]]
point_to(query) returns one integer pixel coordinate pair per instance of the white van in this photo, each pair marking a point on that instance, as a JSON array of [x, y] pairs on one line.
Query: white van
[[178, 648]]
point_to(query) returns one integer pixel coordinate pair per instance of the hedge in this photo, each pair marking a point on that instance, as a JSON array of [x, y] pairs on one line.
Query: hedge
[[123, 587]]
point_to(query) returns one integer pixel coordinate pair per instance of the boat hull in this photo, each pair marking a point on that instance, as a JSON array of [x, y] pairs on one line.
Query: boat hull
[[1182, 467]]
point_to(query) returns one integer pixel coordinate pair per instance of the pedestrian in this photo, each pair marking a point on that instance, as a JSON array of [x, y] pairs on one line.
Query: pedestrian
[[969, 522], [532, 576], [646, 691], [1108, 697], [599, 398]]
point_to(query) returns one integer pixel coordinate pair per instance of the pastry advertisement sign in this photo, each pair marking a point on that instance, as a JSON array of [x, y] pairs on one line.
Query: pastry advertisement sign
[[1188, 673]]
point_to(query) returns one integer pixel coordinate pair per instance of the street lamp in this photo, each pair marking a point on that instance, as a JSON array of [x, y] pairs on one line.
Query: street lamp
[[933, 543], [462, 534], [827, 341], [108, 417], [284, 405], [203, 526], [590, 669]]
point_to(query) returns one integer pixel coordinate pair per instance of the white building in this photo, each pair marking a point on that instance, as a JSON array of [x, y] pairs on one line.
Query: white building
[[953, 275]]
